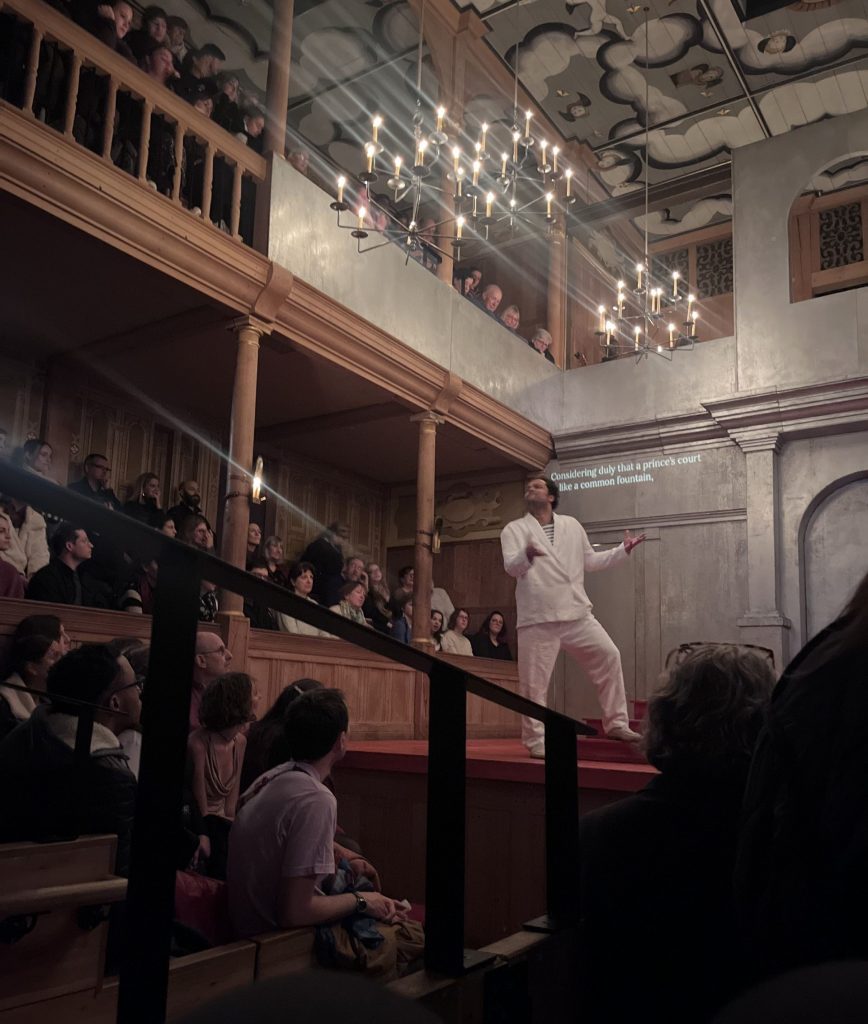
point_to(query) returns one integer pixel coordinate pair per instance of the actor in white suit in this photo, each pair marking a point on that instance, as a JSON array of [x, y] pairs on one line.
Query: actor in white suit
[[548, 555]]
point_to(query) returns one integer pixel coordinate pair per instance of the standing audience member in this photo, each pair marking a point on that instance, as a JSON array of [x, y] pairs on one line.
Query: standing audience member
[[326, 555], [199, 66], [154, 29], [252, 127], [441, 601], [144, 504], [352, 599], [94, 483], [702, 727], [454, 641], [377, 599], [265, 742], [28, 540], [27, 665], [47, 795], [227, 113], [11, 580], [189, 504], [216, 751], [490, 641], [62, 580], [438, 625], [542, 342], [301, 581], [402, 624], [176, 35], [212, 659], [281, 846]]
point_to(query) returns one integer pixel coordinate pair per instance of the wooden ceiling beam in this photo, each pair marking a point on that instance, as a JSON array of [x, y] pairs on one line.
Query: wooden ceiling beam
[[345, 420]]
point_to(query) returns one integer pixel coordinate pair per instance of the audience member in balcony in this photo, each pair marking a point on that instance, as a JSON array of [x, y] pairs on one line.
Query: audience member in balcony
[[216, 751], [62, 581], [542, 342], [490, 641], [254, 542], [354, 570], [28, 548], [196, 532], [167, 526], [111, 24], [441, 601], [511, 318], [352, 600], [227, 112], [301, 582], [490, 299], [701, 731], [144, 503], [454, 641], [377, 600], [35, 455], [326, 555], [212, 659], [94, 482], [274, 560], [176, 34], [300, 160], [44, 798], [12, 580], [44, 625], [154, 29], [260, 615], [402, 623], [199, 65], [189, 504], [28, 663], [253, 125], [265, 739], [157, 62], [282, 843], [438, 625], [466, 281], [406, 580]]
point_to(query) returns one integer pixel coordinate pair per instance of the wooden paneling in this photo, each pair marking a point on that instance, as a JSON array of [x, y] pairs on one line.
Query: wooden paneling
[[484, 719]]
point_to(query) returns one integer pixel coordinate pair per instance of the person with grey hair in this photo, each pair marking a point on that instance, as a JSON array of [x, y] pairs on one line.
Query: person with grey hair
[[541, 340], [663, 859]]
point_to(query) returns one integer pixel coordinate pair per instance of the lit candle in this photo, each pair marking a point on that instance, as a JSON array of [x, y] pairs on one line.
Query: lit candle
[[369, 152], [620, 304], [516, 137], [476, 166], [376, 127], [690, 300], [655, 306], [527, 118], [542, 150], [609, 328], [478, 148], [342, 181], [549, 198], [398, 162], [489, 199], [456, 156], [441, 113], [512, 205], [503, 158], [671, 335], [459, 177], [420, 152], [602, 311], [555, 151], [569, 176], [639, 269], [474, 206], [675, 277], [362, 214], [484, 133], [637, 330], [459, 224], [693, 320]]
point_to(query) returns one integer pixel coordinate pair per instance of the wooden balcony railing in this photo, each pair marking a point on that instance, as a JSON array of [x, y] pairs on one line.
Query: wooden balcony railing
[[827, 243], [82, 71]]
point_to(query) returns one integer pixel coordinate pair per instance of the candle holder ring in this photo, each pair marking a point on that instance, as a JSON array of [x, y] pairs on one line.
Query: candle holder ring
[[339, 207], [368, 177], [359, 233]]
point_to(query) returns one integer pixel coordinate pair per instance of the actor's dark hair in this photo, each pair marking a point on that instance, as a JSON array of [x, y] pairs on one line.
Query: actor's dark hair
[[314, 722], [551, 487]]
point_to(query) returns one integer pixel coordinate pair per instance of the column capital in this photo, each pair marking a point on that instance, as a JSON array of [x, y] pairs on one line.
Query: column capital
[[249, 323], [427, 417], [758, 439]]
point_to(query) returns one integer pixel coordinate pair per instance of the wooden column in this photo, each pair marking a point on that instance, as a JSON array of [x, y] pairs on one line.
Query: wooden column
[[423, 556], [557, 305], [277, 83], [236, 515]]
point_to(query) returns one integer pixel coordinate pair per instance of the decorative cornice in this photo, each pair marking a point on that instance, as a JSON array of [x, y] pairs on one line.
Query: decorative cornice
[[693, 429], [723, 515]]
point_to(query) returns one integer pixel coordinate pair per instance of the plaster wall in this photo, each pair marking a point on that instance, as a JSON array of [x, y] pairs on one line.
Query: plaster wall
[[399, 297]]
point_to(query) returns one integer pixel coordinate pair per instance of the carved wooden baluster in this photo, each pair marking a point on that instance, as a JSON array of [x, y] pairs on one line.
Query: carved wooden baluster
[[108, 130], [72, 95], [179, 161], [145, 139], [235, 216], [32, 70], [208, 181]]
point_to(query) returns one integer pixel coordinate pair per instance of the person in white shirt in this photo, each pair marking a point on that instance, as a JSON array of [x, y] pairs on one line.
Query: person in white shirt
[[453, 640], [548, 556]]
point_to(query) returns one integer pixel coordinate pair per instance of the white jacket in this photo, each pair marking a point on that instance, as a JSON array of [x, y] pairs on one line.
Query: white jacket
[[552, 587], [29, 549]]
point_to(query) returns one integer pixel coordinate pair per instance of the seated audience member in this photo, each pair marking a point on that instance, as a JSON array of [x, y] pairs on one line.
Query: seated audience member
[[34, 455], [212, 659], [137, 653], [176, 36], [194, 530], [265, 738], [510, 318], [28, 541], [438, 624], [189, 504], [260, 615], [274, 561], [406, 581], [402, 624], [44, 625], [11, 580], [352, 599], [144, 504], [326, 555], [254, 542], [27, 665], [301, 582], [199, 65], [377, 599], [490, 641], [94, 483], [490, 299], [803, 842], [702, 728], [252, 127], [216, 751], [542, 341], [354, 571], [62, 580], [454, 641], [466, 282], [281, 844], [167, 526], [154, 29], [47, 796], [227, 112]]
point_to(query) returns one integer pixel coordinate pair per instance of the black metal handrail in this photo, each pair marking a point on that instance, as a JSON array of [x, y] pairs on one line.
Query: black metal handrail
[[144, 974]]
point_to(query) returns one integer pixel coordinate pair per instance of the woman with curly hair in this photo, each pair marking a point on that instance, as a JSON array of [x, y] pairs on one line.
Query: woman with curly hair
[[216, 755]]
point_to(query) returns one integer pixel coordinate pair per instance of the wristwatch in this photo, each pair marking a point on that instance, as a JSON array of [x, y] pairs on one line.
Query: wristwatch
[[361, 903]]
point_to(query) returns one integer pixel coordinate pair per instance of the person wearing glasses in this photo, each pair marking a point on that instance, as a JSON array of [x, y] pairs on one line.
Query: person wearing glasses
[[548, 555], [94, 483]]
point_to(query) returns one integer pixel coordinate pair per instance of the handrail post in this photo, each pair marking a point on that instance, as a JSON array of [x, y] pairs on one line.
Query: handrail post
[[144, 975]]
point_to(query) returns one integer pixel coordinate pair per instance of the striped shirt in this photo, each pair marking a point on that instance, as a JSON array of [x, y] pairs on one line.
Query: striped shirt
[[549, 531]]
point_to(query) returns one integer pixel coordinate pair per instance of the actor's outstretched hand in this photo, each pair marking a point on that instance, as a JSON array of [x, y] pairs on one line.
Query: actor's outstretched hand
[[532, 551], [631, 542]]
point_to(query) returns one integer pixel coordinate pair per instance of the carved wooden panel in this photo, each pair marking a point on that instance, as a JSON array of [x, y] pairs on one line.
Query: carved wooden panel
[[714, 268], [840, 236], [677, 259], [21, 397]]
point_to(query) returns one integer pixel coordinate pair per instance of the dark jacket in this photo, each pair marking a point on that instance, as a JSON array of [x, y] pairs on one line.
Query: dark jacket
[[547, 354], [56, 583], [484, 648], [105, 497], [178, 513], [146, 513], [328, 564], [46, 799]]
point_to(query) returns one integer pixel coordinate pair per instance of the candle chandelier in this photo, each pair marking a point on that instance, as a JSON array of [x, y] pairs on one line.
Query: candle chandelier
[[479, 188], [659, 316]]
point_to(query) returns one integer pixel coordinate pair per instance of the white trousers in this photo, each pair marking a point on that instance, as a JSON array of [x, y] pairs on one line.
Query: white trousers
[[590, 646]]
